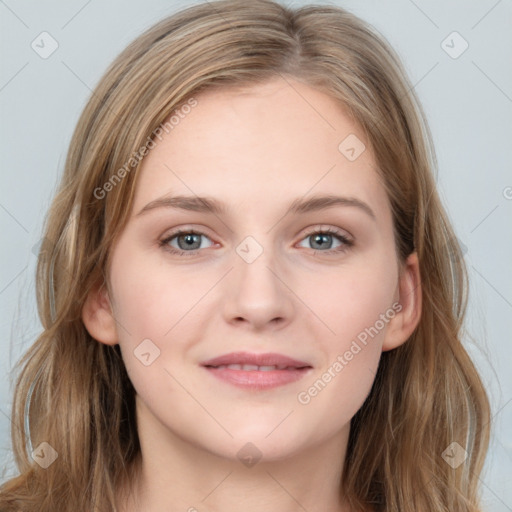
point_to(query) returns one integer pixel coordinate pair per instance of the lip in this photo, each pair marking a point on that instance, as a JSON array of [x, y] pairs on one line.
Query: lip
[[289, 370]]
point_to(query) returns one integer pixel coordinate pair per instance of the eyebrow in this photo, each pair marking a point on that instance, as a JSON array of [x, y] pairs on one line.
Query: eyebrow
[[213, 206]]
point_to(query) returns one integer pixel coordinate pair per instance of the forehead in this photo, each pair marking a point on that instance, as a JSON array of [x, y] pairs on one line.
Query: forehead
[[268, 143]]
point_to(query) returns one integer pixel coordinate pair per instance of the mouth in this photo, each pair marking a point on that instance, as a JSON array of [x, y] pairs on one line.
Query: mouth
[[255, 368], [257, 371]]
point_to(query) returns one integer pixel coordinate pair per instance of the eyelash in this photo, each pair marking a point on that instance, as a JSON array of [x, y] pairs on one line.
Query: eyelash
[[347, 243]]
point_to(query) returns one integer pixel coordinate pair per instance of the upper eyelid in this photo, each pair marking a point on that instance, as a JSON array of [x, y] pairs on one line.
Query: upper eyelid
[[328, 228]]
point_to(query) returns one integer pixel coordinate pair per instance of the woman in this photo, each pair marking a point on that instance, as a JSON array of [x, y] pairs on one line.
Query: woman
[[251, 294]]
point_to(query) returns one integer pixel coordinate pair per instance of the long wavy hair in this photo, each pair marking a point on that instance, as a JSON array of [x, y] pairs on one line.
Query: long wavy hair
[[73, 392]]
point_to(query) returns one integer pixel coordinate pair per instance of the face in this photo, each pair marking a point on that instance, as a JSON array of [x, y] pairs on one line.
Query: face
[[270, 268]]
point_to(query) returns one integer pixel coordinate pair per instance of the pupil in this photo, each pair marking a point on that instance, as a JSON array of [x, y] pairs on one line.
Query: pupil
[[322, 239], [190, 239]]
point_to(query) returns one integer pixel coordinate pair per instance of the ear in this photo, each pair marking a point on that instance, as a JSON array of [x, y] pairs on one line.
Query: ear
[[98, 317], [402, 325]]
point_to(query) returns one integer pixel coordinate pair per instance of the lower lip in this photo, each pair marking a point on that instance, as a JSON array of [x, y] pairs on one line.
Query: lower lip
[[254, 379]]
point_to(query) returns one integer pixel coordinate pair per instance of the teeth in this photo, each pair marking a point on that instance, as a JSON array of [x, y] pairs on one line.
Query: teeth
[[253, 367], [250, 367]]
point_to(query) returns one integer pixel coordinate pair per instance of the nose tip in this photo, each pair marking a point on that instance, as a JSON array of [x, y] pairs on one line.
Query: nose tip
[[256, 295]]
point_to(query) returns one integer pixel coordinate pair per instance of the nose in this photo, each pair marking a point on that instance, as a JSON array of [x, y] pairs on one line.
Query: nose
[[257, 294]]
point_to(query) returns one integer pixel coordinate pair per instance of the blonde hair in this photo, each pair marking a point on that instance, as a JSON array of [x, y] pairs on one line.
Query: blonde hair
[[427, 393]]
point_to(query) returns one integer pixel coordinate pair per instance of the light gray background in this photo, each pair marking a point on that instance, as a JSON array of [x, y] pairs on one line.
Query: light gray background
[[468, 102]]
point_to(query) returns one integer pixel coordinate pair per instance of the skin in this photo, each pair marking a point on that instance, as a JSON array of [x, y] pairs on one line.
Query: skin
[[257, 150]]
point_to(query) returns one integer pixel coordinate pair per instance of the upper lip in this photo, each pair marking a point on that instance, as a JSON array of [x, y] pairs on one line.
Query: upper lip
[[266, 359]]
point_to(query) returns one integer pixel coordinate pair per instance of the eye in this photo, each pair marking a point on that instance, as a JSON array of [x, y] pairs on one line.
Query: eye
[[187, 241], [322, 240]]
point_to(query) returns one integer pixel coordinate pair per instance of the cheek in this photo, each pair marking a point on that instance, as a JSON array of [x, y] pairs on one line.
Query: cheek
[[338, 390], [351, 351], [353, 299], [151, 297], [160, 303], [356, 306]]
